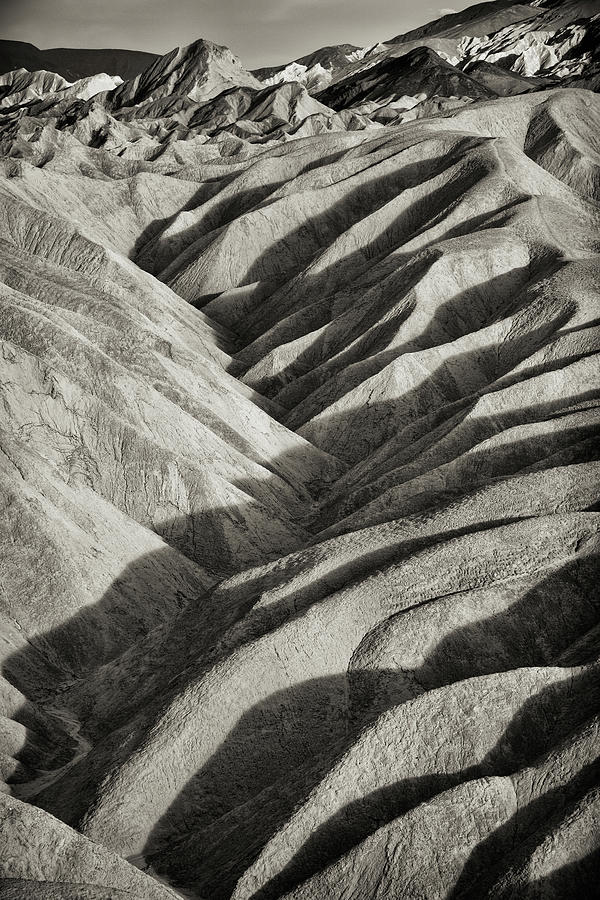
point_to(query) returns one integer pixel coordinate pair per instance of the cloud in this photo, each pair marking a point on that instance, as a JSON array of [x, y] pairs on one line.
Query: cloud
[[447, 11]]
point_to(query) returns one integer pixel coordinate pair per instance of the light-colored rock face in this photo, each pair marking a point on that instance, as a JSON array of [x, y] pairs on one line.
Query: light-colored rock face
[[299, 473], [314, 78], [86, 88], [200, 71], [537, 51], [38, 850], [20, 87]]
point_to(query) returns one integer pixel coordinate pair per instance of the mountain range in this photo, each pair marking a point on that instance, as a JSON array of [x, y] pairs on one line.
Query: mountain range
[[300, 467]]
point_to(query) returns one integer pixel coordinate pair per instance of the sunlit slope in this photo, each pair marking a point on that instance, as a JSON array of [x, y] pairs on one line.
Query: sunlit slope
[[300, 470]]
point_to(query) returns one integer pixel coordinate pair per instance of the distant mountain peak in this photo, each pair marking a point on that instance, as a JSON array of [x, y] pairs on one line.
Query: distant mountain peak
[[199, 71]]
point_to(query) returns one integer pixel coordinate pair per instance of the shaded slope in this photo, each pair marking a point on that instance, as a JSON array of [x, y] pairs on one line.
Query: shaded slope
[[480, 19], [420, 71], [73, 63], [246, 112], [504, 82]]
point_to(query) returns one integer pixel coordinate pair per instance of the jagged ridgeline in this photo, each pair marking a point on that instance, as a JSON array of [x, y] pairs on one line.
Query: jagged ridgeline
[[300, 467]]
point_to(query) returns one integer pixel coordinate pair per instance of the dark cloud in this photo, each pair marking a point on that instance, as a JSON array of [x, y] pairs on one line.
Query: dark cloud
[[261, 32]]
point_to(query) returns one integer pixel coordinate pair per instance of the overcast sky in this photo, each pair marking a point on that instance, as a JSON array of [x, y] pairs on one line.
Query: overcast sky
[[260, 32]]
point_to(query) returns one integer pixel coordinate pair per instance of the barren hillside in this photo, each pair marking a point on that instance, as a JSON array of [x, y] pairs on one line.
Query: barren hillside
[[300, 471]]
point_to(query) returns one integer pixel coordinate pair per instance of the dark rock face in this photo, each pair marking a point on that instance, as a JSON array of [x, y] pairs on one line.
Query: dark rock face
[[73, 63], [299, 474], [420, 71]]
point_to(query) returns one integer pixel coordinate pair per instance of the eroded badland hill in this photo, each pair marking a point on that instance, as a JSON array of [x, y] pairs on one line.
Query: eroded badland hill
[[300, 468]]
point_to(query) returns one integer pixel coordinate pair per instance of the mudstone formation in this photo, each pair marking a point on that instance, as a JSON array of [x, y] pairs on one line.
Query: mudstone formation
[[300, 465]]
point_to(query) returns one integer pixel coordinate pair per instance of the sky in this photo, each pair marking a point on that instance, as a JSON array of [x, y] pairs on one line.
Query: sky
[[260, 32]]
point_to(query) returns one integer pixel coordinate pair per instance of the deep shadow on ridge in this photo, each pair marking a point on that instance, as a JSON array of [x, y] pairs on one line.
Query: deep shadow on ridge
[[287, 779], [39, 665], [366, 198], [227, 210], [73, 648], [307, 702], [237, 768]]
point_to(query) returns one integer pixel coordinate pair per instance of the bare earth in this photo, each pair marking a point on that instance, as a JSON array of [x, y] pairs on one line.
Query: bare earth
[[300, 470]]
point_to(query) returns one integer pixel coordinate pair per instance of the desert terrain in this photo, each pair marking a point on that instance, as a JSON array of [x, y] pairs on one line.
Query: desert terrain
[[300, 467]]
